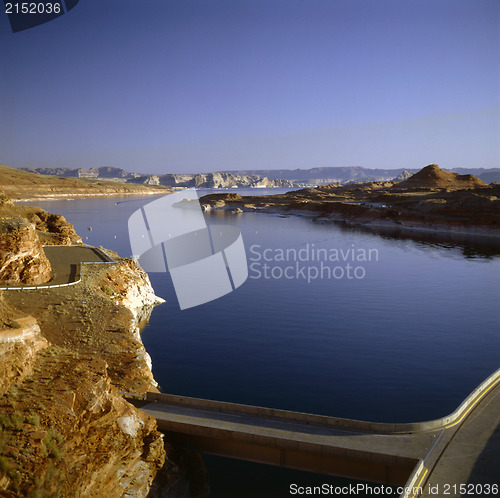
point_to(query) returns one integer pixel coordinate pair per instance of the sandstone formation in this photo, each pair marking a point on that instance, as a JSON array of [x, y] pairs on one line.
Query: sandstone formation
[[67, 428], [211, 180], [52, 229], [20, 341], [22, 259], [404, 175], [433, 176], [444, 201], [296, 177], [208, 180], [5, 201]]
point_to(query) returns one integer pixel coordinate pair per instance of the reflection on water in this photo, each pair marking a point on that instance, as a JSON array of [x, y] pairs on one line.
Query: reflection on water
[[421, 324], [407, 342]]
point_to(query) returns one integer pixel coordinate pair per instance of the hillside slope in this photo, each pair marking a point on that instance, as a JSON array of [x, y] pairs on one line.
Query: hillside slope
[[18, 184]]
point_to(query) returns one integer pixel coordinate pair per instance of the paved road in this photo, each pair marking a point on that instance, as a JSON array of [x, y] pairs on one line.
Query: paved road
[[466, 451], [65, 261], [471, 455], [404, 445]]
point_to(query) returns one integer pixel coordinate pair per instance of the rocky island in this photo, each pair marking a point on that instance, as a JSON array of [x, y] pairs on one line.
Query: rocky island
[[68, 355], [431, 199]]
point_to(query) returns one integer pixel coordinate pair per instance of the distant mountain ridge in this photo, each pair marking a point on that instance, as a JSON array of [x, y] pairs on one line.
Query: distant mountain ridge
[[93, 173], [346, 174], [211, 180], [258, 177], [202, 180]]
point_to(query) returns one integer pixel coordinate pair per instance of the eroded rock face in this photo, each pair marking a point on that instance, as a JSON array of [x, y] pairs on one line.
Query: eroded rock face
[[220, 180], [127, 450], [20, 342], [22, 259], [53, 229], [433, 176]]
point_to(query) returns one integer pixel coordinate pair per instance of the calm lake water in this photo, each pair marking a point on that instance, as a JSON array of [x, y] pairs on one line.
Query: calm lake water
[[406, 338]]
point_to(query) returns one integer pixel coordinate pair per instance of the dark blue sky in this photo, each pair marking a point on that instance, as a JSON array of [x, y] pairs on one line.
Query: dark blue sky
[[205, 85]]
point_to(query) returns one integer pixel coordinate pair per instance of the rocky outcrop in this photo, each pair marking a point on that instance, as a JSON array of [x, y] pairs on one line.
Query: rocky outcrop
[[433, 176], [22, 259], [70, 431], [138, 295], [215, 180], [84, 439], [132, 289], [147, 180], [5, 201], [20, 341], [403, 176], [446, 202], [53, 229]]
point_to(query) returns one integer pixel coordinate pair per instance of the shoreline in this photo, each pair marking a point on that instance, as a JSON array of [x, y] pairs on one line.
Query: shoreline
[[72, 197], [370, 224]]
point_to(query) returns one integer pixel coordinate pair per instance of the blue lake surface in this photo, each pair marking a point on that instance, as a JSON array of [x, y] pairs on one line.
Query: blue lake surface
[[405, 341]]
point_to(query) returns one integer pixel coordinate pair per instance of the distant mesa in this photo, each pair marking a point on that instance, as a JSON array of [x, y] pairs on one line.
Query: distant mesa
[[433, 176], [211, 180], [256, 178]]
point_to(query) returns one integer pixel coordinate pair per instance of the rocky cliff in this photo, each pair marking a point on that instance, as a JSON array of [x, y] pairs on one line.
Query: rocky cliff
[[65, 429], [20, 342], [22, 259], [211, 180], [67, 355], [52, 229]]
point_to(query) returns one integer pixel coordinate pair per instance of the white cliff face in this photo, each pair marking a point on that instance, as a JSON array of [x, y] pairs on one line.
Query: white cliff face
[[130, 424], [138, 296]]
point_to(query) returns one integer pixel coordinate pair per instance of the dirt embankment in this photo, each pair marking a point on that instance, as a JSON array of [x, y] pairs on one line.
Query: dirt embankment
[[65, 429], [431, 199]]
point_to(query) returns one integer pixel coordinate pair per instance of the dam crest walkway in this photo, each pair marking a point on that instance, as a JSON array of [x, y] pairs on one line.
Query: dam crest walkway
[[412, 456]]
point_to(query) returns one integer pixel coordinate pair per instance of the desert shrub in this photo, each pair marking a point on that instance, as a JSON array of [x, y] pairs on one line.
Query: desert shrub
[[50, 447], [4, 465], [33, 418], [17, 419], [107, 290]]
